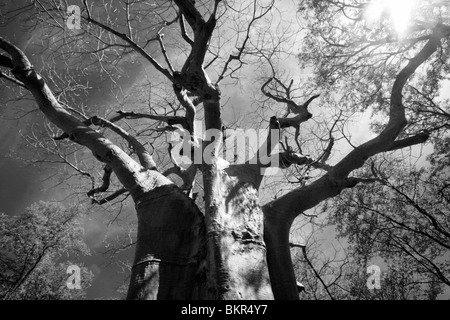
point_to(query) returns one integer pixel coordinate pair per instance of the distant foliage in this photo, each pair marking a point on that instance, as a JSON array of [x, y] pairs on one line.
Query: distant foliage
[[35, 250], [405, 220]]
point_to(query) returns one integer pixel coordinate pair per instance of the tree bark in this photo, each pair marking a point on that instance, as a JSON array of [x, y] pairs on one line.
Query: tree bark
[[169, 246], [236, 260]]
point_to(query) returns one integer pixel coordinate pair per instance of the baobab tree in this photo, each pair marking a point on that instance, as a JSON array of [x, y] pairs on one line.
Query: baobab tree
[[235, 247]]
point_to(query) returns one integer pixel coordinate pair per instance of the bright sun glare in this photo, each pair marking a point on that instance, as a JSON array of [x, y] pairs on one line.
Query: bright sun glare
[[397, 11]]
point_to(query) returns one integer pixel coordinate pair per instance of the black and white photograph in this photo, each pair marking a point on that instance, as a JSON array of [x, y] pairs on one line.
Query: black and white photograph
[[222, 154]]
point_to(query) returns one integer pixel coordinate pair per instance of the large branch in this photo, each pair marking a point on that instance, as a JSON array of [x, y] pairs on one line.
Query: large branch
[[145, 158], [203, 30], [111, 197], [397, 120], [267, 157], [280, 213], [130, 173], [410, 141], [11, 79], [6, 62], [104, 187], [18, 60], [190, 12], [106, 182], [336, 179]]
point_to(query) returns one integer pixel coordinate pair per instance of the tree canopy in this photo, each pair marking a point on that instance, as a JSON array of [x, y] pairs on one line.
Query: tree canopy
[[137, 72], [38, 246]]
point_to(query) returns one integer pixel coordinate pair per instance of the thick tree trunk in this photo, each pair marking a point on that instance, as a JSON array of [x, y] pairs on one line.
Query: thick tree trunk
[[236, 252], [276, 235], [179, 257], [169, 245]]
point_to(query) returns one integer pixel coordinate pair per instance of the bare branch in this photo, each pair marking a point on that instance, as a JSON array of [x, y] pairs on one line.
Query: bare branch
[[111, 197], [6, 62], [270, 95], [106, 182], [335, 180], [130, 32], [301, 111], [238, 56], [11, 79], [410, 141], [193, 16], [170, 120], [184, 32], [18, 59], [164, 51], [397, 121], [128, 40], [127, 170], [289, 158], [303, 247], [144, 156]]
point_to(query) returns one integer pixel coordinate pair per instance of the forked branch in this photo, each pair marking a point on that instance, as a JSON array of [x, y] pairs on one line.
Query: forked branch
[[124, 37]]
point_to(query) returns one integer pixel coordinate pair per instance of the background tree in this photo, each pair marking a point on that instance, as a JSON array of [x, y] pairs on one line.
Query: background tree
[[404, 218], [322, 274], [237, 247], [34, 253]]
